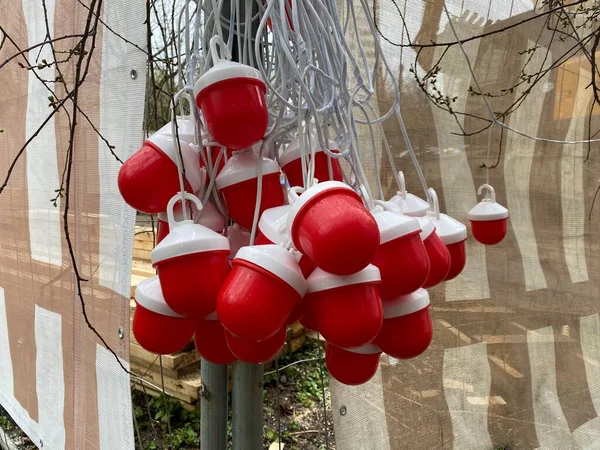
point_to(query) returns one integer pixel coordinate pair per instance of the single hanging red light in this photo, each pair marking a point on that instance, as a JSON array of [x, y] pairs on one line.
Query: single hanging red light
[[488, 218]]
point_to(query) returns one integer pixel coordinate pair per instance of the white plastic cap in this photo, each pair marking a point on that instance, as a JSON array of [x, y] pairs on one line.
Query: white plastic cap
[[273, 222], [243, 166], [448, 229], [185, 129], [149, 295], [487, 209], [193, 171], [406, 304], [320, 280], [292, 151], [226, 70], [186, 237], [427, 227], [409, 204], [393, 225], [278, 261], [298, 201]]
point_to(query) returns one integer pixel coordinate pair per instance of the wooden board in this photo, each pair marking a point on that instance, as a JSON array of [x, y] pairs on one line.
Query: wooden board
[[186, 388], [173, 362], [144, 366]]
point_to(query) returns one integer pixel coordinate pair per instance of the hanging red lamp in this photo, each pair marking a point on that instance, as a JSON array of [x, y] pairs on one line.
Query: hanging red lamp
[[149, 178], [156, 327], [407, 328], [238, 183], [210, 341], [187, 252], [352, 366], [259, 294], [347, 308], [329, 223], [488, 218], [401, 257], [232, 99]]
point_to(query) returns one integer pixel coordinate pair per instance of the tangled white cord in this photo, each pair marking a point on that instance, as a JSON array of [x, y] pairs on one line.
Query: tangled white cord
[[316, 85]]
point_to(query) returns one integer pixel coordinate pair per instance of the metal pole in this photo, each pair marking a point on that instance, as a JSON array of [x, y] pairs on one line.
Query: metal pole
[[247, 379], [213, 406], [247, 406]]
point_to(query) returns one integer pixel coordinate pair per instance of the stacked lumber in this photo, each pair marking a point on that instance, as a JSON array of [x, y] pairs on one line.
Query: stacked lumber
[[181, 370], [141, 266]]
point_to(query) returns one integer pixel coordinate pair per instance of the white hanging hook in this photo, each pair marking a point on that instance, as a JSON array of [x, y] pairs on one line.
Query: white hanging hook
[[433, 202], [177, 198], [491, 193], [213, 49], [386, 206], [293, 193], [191, 103], [183, 93], [401, 185]]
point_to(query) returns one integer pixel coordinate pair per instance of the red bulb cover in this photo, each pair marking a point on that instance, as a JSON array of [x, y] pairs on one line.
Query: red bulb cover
[[161, 334], [254, 304]]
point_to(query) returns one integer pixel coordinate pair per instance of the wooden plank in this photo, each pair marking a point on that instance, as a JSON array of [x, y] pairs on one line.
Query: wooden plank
[[295, 344], [186, 387], [143, 244], [173, 362], [144, 366], [141, 254], [297, 329]]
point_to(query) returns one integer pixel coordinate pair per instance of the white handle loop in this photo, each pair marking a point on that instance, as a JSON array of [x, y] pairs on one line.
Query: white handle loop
[[183, 94], [191, 103], [177, 198], [386, 206], [433, 202], [294, 193], [401, 185], [213, 49], [490, 194]]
